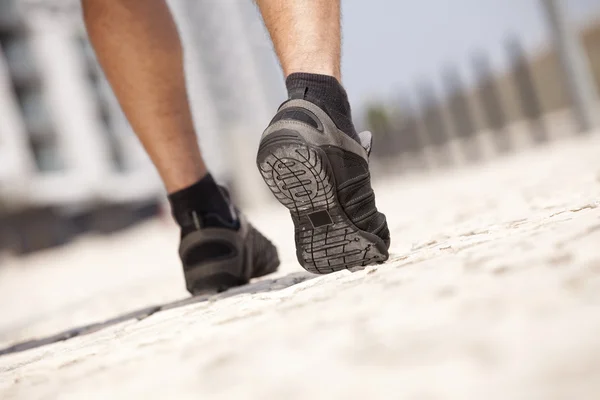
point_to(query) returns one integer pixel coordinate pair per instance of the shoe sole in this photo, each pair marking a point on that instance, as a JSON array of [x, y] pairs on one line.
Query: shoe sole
[[219, 276], [222, 281], [216, 283], [301, 178]]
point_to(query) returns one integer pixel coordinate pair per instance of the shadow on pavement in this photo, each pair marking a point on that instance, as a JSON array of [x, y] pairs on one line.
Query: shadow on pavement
[[267, 285]]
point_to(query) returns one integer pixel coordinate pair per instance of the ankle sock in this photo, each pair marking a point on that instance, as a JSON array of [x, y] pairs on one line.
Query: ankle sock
[[202, 205], [326, 92]]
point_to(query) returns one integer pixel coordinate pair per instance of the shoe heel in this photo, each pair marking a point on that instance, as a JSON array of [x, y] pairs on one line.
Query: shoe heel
[[296, 173], [215, 283]]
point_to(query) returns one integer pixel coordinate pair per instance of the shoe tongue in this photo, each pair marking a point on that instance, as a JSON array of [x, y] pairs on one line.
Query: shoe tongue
[[366, 141]]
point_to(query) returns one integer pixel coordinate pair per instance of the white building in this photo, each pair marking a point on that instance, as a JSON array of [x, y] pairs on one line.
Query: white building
[[67, 139], [64, 141]]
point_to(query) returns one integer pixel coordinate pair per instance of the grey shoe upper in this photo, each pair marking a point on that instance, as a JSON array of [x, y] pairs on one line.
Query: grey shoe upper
[[238, 254], [227, 259], [324, 133]]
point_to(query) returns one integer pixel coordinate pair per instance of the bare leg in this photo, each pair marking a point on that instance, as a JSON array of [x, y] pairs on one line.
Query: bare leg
[[139, 48], [306, 34]]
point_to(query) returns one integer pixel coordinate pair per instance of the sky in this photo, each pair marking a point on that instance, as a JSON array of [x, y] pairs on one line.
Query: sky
[[391, 45]]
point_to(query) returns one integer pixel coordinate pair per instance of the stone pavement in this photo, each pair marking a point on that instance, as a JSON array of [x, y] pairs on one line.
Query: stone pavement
[[492, 292]]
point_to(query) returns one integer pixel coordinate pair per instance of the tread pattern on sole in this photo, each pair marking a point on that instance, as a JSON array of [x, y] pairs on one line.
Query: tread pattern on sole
[[300, 178]]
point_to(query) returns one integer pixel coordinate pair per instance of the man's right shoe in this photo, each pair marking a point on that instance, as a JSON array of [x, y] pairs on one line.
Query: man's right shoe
[[218, 258], [322, 176]]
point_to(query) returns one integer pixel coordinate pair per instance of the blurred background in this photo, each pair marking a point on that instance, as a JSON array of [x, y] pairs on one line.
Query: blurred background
[[440, 84]]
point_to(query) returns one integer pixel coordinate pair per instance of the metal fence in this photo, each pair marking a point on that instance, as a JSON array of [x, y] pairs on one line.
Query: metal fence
[[529, 105]]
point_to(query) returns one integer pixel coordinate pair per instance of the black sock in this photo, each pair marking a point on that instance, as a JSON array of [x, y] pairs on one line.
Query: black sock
[[202, 205], [326, 92]]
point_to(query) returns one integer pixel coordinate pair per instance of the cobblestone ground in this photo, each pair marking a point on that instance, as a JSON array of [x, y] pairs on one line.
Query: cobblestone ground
[[492, 292]]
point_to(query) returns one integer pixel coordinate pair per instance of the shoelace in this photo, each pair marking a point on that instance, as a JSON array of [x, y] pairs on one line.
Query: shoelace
[[366, 141]]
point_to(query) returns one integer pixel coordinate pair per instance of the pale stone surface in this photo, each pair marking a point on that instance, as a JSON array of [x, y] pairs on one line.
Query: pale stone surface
[[492, 292]]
